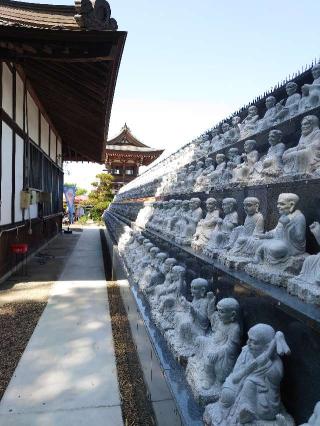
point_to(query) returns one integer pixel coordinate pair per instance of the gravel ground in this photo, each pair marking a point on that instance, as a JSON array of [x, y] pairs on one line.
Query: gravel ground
[[23, 299], [136, 407]]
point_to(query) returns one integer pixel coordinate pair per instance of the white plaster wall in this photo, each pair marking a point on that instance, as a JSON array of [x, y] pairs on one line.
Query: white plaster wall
[[7, 89], [44, 135], [18, 178], [53, 146], [6, 172], [33, 119], [59, 152], [19, 101]]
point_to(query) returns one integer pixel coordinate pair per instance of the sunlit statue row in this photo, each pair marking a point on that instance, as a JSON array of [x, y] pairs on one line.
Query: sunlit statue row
[[277, 256], [249, 167]]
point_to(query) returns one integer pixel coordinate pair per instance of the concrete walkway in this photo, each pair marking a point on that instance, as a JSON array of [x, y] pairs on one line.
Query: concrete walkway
[[67, 374]]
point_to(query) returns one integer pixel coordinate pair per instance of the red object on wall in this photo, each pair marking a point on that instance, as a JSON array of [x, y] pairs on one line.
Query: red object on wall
[[19, 248]]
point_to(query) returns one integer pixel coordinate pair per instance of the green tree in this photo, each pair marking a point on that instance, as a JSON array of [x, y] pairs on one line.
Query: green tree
[[81, 191], [101, 196]]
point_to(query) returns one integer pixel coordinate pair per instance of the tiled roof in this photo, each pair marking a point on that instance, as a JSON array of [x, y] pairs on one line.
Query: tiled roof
[[32, 15], [125, 147]]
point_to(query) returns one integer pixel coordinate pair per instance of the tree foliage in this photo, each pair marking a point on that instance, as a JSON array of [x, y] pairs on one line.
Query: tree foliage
[[81, 191], [101, 196]]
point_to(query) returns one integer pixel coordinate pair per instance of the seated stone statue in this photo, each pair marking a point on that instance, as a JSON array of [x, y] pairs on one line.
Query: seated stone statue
[[314, 88], [226, 137], [173, 290], [206, 226], [220, 236], [189, 182], [249, 125], [304, 159], [304, 103], [159, 289], [282, 251], [244, 240], [216, 353], [272, 165], [216, 176], [147, 272], [157, 275], [315, 418], [191, 320], [307, 284], [291, 106], [215, 140], [270, 117], [192, 217], [244, 171], [180, 220], [251, 393], [234, 159], [143, 262], [202, 181], [175, 217]]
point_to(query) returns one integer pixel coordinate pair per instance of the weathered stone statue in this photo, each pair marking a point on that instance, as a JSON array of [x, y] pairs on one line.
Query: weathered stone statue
[[314, 88], [143, 262], [251, 393], [315, 418], [304, 103], [216, 353], [244, 240], [272, 165], [234, 132], [147, 272], [249, 125], [192, 217], [307, 284], [180, 221], [169, 292], [189, 182], [226, 136], [282, 251], [270, 117], [159, 289], [158, 275], [206, 226], [244, 171], [220, 236], [191, 320], [202, 181], [234, 159], [291, 106], [215, 140], [304, 159], [216, 175]]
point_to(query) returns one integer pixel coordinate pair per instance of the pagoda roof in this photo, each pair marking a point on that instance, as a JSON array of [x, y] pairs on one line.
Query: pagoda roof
[[126, 138], [70, 55]]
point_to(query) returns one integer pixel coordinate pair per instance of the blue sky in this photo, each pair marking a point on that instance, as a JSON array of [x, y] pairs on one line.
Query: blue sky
[[188, 64]]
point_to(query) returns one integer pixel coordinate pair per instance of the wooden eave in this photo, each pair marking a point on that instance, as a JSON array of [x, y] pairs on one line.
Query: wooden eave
[[73, 73], [126, 137]]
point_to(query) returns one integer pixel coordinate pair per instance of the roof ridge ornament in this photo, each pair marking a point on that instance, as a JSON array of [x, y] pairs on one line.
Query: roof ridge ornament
[[94, 15]]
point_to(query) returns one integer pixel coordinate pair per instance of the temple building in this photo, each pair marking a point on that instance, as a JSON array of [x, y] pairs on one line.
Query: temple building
[[58, 70], [125, 154]]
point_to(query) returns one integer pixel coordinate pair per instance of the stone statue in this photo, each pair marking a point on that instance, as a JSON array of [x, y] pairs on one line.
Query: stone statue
[[206, 226], [234, 159], [250, 157], [226, 137], [315, 418], [189, 182], [157, 275], [159, 289], [220, 236], [307, 284], [282, 251], [216, 353], [143, 262], [244, 240], [270, 117], [290, 109], [234, 132], [251, 393], [272, 165], [304, 103], [192, 217], [171, 291], [202, 181], [147, 272], [249, 125], [191, 319], [180, 220], [216, 176], [215, 140], [314, 88], [304, 159]]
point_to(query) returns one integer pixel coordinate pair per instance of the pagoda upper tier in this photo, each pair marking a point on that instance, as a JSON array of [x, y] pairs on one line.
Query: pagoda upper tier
[[126, 148]]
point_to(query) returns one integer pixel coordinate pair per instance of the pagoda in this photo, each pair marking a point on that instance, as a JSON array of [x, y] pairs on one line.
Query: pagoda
[[125, 154]]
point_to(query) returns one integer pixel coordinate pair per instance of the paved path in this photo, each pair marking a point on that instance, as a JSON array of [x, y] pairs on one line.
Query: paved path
[[67, 374]]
